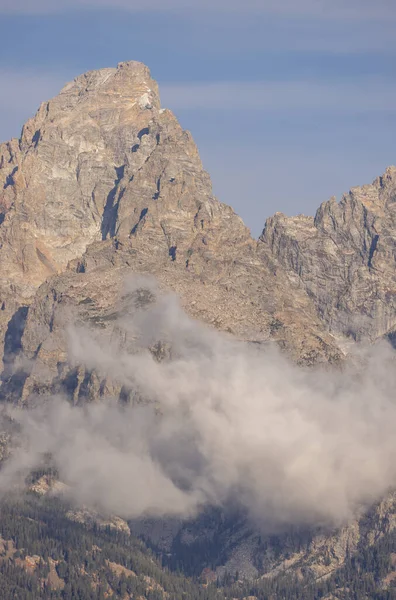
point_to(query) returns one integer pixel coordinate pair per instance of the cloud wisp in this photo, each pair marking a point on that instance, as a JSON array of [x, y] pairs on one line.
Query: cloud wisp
[[361, 96], [26, 90], [222, 422], [323, 9]]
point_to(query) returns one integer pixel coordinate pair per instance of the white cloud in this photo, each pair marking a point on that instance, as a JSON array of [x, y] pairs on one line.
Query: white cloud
[[226, 421], [338, 9]]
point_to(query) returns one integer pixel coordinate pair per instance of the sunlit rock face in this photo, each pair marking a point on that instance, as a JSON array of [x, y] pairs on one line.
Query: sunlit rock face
[[104, 183], [59, 179], [345, 258]]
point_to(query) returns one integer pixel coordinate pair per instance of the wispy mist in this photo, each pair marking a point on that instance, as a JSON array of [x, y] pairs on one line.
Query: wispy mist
[[224, 422]]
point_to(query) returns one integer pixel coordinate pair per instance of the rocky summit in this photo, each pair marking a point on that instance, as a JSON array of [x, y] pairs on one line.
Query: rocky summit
[[104, 183], [345, 258]]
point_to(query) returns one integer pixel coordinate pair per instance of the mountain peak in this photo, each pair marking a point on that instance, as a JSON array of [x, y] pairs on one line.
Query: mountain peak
[[60, 177], [103, 177], [129, 81]]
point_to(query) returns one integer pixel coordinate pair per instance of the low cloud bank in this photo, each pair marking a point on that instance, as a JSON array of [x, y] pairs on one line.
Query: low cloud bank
[[224, 422]]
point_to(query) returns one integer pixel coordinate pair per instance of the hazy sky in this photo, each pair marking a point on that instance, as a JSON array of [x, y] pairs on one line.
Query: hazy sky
[[289, 101]]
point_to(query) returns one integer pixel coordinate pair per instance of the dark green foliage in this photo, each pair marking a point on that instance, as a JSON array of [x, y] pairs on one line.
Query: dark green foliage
[[39, 527], [361, 578], [83, 556]]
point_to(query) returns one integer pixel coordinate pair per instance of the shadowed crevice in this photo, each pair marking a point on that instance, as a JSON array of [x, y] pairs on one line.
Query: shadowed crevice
[[36, 138], [373, 248], [110, 213], [158, 192], [143, 132], [10, 179], [13, 376], [391, 337], [141, 218]]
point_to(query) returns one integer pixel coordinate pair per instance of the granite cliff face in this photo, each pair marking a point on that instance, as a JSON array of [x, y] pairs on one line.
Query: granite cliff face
[[104, 183], [345, 258]]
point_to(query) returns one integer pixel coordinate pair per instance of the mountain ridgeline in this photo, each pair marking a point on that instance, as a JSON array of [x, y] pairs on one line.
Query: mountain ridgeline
[[125, 282]]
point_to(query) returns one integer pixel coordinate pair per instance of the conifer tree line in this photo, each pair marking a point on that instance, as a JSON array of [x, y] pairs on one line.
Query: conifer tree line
[[84, 559]]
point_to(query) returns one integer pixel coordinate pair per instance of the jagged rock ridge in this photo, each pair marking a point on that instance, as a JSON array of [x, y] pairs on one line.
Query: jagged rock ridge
[[104, 183], [345, 258]]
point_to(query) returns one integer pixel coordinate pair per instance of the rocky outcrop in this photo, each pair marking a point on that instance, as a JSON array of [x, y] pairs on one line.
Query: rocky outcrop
[[91, 518], [231, 545], [345, 258], [104, 183], [59, 181]]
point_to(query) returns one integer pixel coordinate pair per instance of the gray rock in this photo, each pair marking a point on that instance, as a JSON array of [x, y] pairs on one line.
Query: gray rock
[[345, 258], [104, 183]]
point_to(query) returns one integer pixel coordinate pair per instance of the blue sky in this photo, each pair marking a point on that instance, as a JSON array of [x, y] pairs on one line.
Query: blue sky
[[289, 101]]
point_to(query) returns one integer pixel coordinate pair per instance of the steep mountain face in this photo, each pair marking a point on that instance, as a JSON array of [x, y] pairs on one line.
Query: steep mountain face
[[104, 184], [236, 546], [345, 258]]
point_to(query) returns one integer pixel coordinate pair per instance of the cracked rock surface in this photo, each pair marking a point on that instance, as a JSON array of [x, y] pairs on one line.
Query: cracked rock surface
[[345, 258], [104, 183]]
